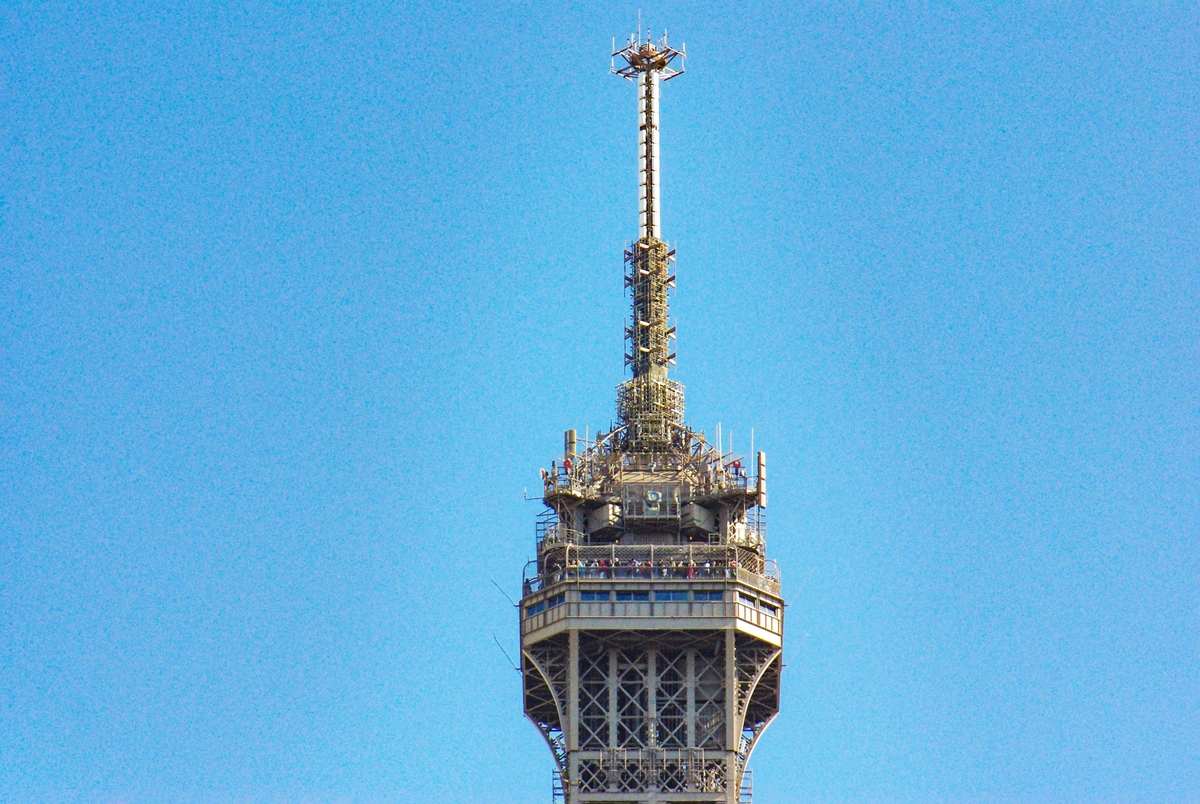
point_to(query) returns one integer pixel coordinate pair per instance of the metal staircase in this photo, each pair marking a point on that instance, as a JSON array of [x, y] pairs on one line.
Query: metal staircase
[[746, 794]]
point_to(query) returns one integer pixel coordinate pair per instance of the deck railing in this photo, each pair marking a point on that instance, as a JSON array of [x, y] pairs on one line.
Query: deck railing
[[656, 562]]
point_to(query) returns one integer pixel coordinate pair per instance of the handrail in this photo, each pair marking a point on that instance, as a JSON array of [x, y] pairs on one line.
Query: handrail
[[540, 581], [656, 555], [552, 535]]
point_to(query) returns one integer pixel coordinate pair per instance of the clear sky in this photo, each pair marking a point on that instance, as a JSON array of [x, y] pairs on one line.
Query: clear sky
[[298, 298]]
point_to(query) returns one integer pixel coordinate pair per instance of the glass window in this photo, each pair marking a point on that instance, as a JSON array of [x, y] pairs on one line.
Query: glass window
[[636, 597], [557, 600], [768, 608], [594, 596], [711, 596], [670, 595], [749, 601], [650, 501]]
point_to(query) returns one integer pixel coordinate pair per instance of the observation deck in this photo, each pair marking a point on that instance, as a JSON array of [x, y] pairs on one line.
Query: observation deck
[[655, 588]]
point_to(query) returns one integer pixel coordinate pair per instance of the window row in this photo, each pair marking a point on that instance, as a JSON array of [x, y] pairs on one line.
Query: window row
[[658, 595], [678, 596], [548, 603], [750, 600]]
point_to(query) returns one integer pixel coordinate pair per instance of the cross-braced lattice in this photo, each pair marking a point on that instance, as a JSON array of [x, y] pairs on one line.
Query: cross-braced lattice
[[751, 657], [711, 776], [631, 699], [671, 698], [593, 698], [593, 777], [710, 699], [631, 773], [545, 671], [673, 776]]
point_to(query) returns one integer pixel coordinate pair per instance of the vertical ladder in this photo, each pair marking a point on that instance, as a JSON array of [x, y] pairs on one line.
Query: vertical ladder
[[556, 788], [746, 794]]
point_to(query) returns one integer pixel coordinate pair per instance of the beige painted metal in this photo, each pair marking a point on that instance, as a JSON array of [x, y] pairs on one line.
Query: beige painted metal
[[652, 618]]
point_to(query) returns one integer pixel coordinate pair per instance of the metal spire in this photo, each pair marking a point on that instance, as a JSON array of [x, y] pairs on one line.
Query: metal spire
[[650, 404], [648, 63]]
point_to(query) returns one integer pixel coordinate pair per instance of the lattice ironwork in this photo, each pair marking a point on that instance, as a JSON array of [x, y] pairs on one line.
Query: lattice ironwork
[[650, 410], [633, 774], [673, 776], [750, 660], [635, 694], [649, 335], [710, 699], [593, 698], [757, 669], [552, 659], [631, 699], [712, 777], [593, 777], [650, 405], [764, 700], [671, 698], [545, 674]]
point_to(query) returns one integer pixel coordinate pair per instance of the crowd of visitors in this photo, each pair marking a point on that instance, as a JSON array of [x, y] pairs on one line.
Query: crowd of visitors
[[615, 568]]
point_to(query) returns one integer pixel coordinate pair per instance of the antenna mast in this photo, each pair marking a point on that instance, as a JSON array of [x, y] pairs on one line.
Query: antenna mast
[[649, 405], [648, 63]]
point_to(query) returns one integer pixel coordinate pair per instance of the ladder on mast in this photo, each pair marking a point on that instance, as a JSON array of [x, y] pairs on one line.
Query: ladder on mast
[[556, 788], [746, 793]]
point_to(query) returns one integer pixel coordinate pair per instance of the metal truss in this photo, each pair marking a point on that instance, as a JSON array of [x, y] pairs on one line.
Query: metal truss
[[651, 618], [545, 674], [757, 667], [652, 709]]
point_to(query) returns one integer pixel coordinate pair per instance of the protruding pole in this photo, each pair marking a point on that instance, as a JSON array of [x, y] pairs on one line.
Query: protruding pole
[[650, 204], [650, 404], [761, 486], [648, 63]]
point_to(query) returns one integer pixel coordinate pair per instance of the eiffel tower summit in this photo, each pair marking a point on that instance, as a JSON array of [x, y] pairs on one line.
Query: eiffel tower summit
[[651, 619]]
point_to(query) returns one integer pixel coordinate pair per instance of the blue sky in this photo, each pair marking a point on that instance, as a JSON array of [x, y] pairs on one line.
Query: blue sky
[[297, 299]]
